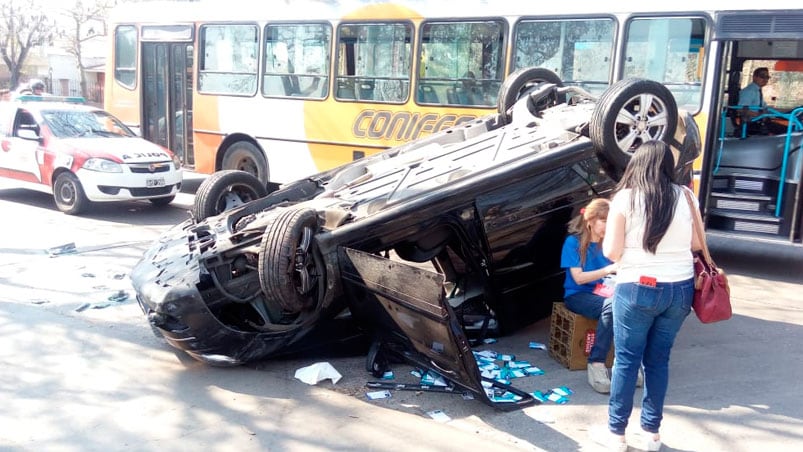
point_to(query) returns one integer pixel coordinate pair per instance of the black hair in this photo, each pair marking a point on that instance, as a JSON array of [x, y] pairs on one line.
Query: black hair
[[650, 176], [760, 70]]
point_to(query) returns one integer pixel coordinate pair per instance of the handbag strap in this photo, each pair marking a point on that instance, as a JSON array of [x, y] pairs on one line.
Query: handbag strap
[[698, 225]]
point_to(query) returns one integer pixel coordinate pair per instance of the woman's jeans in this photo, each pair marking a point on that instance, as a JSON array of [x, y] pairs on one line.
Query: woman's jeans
[[645, 322], [595, 307]]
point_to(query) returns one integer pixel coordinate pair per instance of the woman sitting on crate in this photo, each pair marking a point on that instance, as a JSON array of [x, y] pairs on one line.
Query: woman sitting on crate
[[586, 292]]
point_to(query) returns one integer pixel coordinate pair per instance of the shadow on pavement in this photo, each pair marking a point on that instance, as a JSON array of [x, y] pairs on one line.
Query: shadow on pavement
[[776, 262], [139, 213]]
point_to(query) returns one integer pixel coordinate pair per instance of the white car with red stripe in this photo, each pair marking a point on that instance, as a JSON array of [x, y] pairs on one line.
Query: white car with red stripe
[[82, 154]]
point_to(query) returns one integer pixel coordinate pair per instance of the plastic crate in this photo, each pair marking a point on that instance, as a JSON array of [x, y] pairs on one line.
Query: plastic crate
[[567, 338]]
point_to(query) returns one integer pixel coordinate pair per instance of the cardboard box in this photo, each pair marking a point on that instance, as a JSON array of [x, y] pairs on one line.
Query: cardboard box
[[567, 338]]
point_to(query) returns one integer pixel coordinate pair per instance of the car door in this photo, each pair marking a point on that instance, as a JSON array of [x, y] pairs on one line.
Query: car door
[[7, 113], [19, 148], [405, 307]]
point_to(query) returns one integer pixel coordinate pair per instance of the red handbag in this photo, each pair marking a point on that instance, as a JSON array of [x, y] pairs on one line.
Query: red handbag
[[712, 298]]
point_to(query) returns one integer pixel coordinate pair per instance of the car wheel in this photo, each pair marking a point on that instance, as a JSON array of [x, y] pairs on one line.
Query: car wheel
[[521, 82], [291, 270], [628, 113], [226, 190], [160, 202], [69, 194], [245, 156]]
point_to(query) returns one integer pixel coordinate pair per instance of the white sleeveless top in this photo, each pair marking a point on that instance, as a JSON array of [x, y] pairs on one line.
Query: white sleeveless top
[[672, 260]]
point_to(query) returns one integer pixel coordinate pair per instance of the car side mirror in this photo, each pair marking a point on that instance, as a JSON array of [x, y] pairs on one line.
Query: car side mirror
[[28, 134]]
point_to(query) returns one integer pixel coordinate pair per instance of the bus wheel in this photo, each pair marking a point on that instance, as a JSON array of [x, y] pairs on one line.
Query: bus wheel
[[521, 82], [69, 194], [226, 190], [291, 270], [245, 156], [628, 113]]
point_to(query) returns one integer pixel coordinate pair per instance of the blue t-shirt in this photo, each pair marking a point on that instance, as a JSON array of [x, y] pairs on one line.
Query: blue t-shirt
[[570, 257], [751, 95]]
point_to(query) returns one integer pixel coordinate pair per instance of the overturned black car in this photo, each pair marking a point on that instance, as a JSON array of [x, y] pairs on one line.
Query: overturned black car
[[424, 245]]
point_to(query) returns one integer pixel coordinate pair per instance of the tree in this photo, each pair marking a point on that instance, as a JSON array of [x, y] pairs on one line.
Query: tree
[[23, 25], [81, 21], [84, 20]]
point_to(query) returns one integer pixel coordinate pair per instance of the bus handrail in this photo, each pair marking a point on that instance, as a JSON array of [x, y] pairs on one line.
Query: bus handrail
[[794, 124]]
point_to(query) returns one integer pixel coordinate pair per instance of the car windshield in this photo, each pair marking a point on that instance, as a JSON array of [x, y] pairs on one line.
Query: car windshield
[[76, 123]]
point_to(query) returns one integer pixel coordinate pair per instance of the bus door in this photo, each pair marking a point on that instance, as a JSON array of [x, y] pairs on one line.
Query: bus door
[[752, 175], [167, 59]]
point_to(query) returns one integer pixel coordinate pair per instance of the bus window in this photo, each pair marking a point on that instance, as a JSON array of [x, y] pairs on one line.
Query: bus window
[[373, 62], [228, 59], [297, 60], [125, 55], [462, 63], [668, 50], [579, 51]]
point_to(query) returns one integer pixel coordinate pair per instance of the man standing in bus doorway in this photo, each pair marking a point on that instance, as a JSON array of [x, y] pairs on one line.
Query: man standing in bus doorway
[[751, 96]]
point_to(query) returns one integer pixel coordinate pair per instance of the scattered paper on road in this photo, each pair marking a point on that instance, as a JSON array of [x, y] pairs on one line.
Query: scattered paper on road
[[374, 395], [439, 416], [316, 372]]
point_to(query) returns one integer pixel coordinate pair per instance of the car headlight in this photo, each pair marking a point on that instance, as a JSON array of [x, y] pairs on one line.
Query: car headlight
[[103, 165], [176, 162]]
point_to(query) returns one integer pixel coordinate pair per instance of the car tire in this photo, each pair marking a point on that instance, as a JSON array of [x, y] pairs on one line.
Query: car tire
[[245, 156], [69, 194], [291, 270], [161, 202], [225, 190], [614, 138], [520, 82]]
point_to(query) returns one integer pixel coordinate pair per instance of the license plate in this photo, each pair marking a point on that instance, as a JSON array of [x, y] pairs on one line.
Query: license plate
[[160, 182]]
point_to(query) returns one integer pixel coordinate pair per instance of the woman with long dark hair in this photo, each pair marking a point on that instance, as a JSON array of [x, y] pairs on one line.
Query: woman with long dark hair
[[649, 235]]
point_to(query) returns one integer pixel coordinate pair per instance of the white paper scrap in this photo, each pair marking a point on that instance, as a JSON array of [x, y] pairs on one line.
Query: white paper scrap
[[378, 395], [439, 416], [316, 372]]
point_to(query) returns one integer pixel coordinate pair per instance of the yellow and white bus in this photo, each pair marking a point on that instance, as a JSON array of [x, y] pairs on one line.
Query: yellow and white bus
[[284, 90]]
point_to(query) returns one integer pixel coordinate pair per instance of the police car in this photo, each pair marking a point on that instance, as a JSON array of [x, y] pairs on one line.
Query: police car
[[81, 154]]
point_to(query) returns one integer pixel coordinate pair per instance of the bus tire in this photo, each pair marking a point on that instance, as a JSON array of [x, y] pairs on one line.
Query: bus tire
[[520, 82], [291, 270], [225, 190], [618, 125], [245, 156], [69, 194]]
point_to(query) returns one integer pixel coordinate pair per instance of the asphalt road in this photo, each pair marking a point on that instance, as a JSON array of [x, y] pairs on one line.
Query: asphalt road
[[80, 369]]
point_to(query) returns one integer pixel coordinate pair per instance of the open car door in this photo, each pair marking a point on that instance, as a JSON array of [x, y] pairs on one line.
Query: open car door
[[405, 307]]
